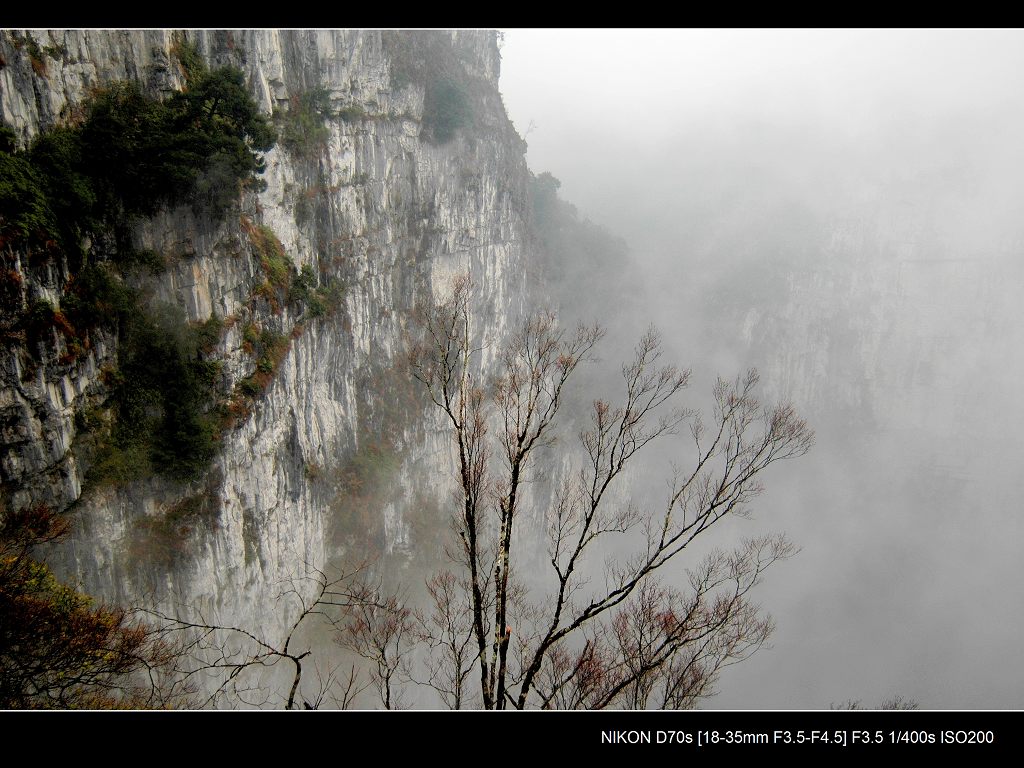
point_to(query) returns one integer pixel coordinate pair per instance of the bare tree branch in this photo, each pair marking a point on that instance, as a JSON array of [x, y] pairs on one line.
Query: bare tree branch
[[212, 652], [633, 642]]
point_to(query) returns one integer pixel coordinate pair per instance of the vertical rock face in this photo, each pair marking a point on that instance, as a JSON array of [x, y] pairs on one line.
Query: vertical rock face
[[378, 204]]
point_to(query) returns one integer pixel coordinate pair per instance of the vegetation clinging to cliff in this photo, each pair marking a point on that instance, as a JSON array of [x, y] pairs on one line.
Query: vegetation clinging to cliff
[[428, 59], [304, 131], [130, 155], [162, 395], [71, 198]]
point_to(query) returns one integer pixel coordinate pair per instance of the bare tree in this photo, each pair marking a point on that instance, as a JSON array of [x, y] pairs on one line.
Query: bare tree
[[227, 656], [379, 628], [622, 638], [446, 630]]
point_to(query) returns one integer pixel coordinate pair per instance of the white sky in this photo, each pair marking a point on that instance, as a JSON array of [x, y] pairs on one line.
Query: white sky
[[613, 89]]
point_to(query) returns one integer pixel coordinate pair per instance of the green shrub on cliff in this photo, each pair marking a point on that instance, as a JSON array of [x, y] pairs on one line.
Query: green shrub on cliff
[[304, 131], [163, 395], [427, 58], [445, 109], [128, 157]]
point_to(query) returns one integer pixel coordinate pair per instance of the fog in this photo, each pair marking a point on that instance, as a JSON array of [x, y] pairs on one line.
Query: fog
[[842, 210]]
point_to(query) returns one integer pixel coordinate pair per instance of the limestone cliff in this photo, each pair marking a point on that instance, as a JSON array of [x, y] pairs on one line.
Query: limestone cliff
[[389, 201]]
